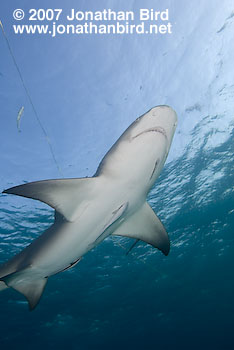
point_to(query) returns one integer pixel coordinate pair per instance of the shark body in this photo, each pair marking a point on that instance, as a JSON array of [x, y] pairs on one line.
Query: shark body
[[87, 210]]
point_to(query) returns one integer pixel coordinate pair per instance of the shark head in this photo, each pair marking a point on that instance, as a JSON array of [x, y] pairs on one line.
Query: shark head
[[160, 119], [143, 148]]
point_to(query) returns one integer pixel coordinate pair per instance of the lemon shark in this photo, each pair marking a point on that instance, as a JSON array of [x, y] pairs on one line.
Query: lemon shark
[[88, 210]]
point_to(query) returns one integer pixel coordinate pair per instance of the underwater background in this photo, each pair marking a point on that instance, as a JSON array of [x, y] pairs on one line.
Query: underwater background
[[86, 90]]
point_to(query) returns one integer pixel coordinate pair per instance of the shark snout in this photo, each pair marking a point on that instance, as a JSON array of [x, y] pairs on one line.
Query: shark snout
[[166, 118]]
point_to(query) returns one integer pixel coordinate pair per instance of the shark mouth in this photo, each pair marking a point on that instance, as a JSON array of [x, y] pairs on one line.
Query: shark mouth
[[158, 129]]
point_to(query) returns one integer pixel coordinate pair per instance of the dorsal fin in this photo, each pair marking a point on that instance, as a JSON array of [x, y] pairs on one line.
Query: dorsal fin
[[64, 195]]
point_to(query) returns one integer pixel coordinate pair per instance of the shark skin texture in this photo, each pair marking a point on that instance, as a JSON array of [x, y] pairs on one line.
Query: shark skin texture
[[87, 210]]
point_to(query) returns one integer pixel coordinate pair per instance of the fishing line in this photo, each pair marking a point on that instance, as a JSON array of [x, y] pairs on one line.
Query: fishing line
[[115, 240], [132, 246], [135, 255], [31, 102]]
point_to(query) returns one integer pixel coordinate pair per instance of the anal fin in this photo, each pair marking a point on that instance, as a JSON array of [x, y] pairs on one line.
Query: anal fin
[[31, 288], [2, 286]]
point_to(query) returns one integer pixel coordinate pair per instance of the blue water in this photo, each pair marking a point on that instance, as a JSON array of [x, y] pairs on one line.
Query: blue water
[[143, 300], [86, 91]]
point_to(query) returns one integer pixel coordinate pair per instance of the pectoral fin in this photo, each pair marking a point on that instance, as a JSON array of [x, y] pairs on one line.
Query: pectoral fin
[[146, 226], [64, 195]]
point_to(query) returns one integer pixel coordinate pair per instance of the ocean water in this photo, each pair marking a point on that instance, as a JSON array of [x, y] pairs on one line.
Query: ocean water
[[87, 91], [143, 300]]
